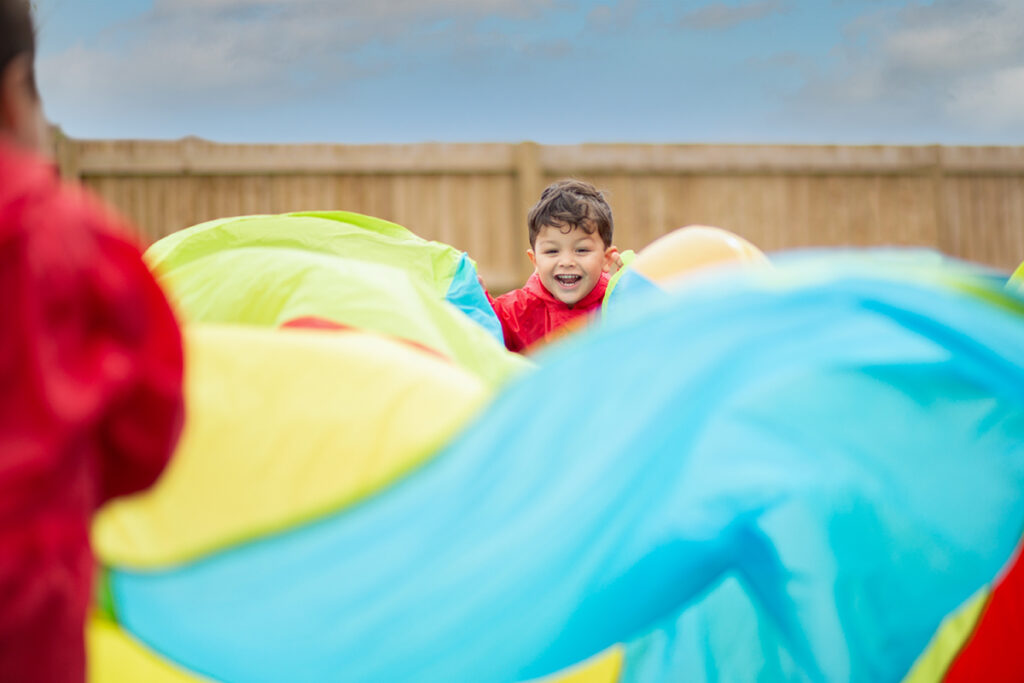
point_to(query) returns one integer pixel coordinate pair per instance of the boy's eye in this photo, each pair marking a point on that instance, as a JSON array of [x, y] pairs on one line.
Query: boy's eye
[[550, 252], [582, 251]]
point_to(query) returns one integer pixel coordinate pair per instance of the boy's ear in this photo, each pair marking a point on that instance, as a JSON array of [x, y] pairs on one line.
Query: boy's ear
[[611, 259], [533, 257]]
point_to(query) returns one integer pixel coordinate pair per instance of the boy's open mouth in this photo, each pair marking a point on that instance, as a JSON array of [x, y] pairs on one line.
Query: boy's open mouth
[[568, 280]]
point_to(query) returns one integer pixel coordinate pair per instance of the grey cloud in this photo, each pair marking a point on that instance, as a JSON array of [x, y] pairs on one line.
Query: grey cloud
[[251, 51], [995, 100], [396, 11], [954, 60], [719, 16], [615, 15], [956, 34]]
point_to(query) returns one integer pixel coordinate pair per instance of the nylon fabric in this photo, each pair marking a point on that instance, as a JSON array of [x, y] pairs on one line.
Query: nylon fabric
[[114, 657], [835, 454], [948, 641], [346, 268], [337, 233], [284, 426], [725, 625], [605, 667], [466, 294], [630, 286], [1016, 283], [990, 653]]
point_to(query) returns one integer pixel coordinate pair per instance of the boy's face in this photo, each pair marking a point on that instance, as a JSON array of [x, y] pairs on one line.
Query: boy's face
[[569, 263]]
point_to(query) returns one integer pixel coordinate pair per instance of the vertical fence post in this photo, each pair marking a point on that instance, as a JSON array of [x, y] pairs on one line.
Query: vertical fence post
[[945, 241], [65, 153], [529, 181]]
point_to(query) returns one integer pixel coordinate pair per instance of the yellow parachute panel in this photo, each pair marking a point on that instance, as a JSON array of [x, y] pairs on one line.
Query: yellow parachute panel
[[116, 657], [357, 409]]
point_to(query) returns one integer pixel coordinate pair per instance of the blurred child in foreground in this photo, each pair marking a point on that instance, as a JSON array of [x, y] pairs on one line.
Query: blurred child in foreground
[[90, 370]]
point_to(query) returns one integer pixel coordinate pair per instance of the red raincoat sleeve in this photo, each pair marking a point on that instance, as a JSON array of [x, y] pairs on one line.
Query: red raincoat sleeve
[[91, 407], [518, 327], [91, 355]]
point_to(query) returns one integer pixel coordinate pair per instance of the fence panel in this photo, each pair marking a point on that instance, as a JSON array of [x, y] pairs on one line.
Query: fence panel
[[965, 201]]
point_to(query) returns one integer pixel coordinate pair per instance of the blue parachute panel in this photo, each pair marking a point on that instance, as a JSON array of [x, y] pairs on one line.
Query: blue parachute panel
[[840, 464], [690, 645], [633, 287], [467, 294]]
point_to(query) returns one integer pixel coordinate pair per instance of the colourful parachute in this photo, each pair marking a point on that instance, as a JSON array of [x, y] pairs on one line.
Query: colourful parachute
[[668, 260], [1017, 280], [808, 473], [344, 267]]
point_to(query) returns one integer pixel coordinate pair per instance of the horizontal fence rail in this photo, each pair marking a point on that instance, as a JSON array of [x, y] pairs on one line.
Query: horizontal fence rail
[[967, 202]]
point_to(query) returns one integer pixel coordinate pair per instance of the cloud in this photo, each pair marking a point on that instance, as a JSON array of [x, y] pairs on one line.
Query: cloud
[[959, 61], [614, 15], [993, 101], [953, 34], [253, 51], [719, 16], [394, 9]]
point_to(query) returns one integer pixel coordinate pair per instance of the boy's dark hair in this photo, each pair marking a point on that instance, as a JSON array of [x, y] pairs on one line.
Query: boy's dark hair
[[570, 204], [17, 34]]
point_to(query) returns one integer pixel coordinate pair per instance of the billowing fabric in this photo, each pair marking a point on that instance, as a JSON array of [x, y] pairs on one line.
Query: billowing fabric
[[629, 285], [379, 403], [948, 642], [1016, 282], [90, 406], [795, 476], [992, 652], [470, 297], [531, 314], [344, 267], [678, 256], [626, 257], [115, 657], [694, 248]]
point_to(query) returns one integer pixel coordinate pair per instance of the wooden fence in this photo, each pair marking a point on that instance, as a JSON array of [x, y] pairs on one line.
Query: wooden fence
[[965, 201]]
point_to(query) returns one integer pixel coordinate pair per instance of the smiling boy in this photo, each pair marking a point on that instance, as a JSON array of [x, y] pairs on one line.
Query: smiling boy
[[571, 249]]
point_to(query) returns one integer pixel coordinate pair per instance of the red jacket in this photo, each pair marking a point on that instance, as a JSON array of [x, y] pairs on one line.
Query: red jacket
[[531, 313], [90, 406]]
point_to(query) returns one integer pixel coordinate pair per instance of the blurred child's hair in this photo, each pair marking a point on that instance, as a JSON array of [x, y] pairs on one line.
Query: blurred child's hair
[[570, 204], [17, 34]]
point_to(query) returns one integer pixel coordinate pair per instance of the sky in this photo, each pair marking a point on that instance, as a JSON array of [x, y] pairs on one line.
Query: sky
[[552, 71]]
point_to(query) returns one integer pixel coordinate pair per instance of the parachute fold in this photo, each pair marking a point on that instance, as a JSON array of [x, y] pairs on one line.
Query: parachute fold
[[813, 472], [343, 267]]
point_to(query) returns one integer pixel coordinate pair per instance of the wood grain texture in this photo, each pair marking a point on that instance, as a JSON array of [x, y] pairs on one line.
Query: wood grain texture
[[965, 201]]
